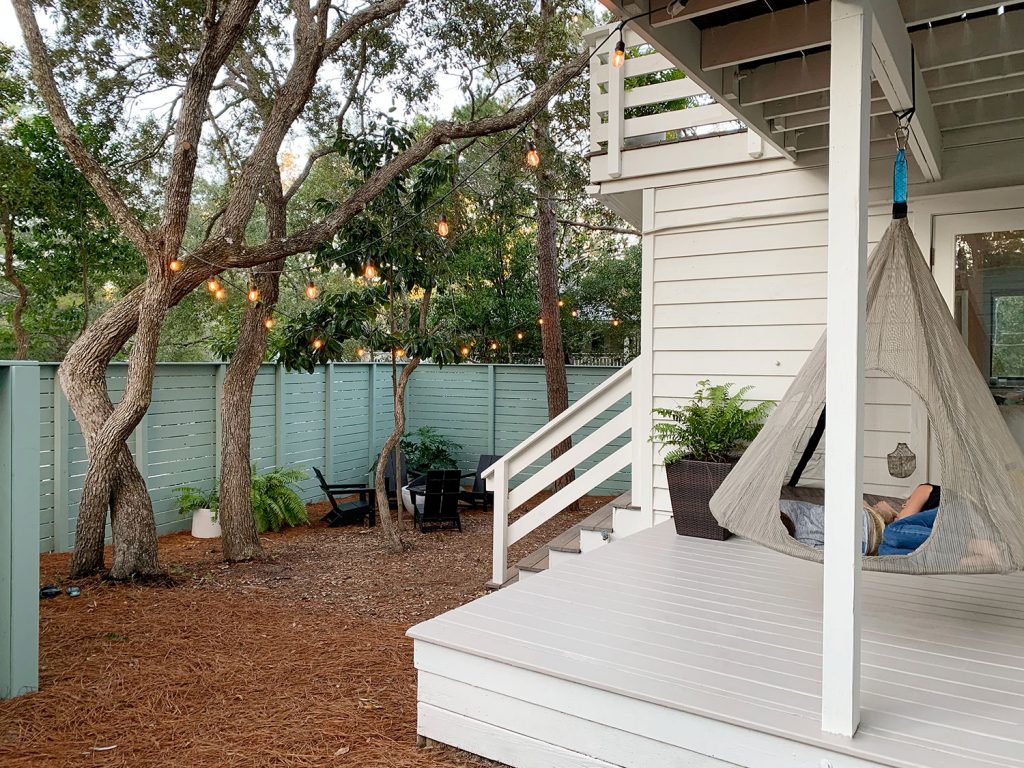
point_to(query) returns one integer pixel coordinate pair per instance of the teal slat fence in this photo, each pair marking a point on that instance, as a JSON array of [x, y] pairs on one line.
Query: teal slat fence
[[336, 418]]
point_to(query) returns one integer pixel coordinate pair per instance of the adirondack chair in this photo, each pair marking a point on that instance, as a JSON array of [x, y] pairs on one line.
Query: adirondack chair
[[391, 486], [480, 496], [437, 502], [348, 512]]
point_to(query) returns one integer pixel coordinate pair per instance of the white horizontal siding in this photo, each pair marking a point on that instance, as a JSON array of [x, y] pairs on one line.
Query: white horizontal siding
[[739, 268]]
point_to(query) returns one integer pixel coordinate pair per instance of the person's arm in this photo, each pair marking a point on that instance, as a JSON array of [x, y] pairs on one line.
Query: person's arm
[[915, 503]]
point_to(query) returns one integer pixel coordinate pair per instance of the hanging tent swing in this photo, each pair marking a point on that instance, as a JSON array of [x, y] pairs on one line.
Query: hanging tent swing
[[912, 338]]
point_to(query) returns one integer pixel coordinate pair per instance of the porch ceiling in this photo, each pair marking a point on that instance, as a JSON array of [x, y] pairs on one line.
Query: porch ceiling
[[768, 61]]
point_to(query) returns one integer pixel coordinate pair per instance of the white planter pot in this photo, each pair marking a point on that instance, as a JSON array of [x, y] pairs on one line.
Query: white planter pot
[[203, 524]]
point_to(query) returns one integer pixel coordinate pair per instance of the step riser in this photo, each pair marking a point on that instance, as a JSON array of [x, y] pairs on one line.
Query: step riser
[[626, 521], [556, 559], [591, 540], [525, 574]]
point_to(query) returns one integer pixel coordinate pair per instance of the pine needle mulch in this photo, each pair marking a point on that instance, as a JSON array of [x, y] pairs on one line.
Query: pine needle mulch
[[299, 661]]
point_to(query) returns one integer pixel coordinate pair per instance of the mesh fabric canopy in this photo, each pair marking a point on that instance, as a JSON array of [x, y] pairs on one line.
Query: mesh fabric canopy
[[912, 338]]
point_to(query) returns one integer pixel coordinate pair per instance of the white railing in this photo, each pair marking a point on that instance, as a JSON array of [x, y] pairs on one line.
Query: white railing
[[639, 104], [499, 475]]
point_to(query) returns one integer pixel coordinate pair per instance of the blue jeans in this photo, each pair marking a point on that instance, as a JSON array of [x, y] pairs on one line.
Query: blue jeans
[[906, 535]]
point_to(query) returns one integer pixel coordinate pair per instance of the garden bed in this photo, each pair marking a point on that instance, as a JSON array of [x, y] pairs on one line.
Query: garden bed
[[300, 661]]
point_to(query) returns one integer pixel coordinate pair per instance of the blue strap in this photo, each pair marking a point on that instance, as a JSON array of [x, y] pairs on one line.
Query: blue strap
[[899, 185]]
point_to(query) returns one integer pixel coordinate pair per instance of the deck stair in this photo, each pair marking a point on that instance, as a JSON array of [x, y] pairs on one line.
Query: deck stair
[[594, 531]]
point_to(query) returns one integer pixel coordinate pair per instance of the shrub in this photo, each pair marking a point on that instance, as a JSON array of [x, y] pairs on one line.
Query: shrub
[[191, 499], [714, 426], [427, 449], [275, 502]]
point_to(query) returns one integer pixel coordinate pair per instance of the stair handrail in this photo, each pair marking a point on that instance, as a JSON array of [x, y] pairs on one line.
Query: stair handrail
[[579, 414]]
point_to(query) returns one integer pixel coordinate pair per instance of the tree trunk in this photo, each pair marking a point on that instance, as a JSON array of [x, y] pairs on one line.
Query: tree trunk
[[239, 538], [390, 529], [547, 261], [20, 336]]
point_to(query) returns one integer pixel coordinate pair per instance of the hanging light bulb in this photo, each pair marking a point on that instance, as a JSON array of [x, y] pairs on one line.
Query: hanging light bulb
[[370, 270], [318, 343], [615, 322], [442, 226], [494, 346], [561, 302], [574, 313], [220, 294], [540, 321], [254, 294], [464, 351], [519, 335], [619, 55], [175, 265], [399, 352], [213, 285], [360, 352], [532, 155], [268, 323], [311, 290]]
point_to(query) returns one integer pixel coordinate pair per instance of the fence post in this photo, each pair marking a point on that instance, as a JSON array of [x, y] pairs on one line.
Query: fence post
[[218, 431], [371, 401], [493, 395], [61, 475], [279, 416], [499, 553], [19, 529], [328, 422]]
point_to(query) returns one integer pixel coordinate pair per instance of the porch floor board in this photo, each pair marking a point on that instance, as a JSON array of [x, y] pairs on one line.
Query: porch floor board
[[731, 631]]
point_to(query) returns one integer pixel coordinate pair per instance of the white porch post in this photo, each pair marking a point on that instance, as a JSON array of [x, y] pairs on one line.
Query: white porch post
[[844, 381]]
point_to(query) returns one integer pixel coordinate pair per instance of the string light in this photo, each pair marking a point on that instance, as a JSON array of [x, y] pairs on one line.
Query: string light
[[220, 294], [311, 290], [574, 313], [254, 294], [213, 285], [318, 343], [175, 265], [442, 226], [619, 55], [399, 353], [532, 155], [370, 270], [540, 321], [615, 322], [268, 323], [519, 335], [561, 302], [360, 352], [464, 351], [494, 346]]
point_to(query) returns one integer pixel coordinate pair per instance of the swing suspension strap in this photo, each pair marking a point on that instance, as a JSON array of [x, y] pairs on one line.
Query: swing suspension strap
[[899, 170]]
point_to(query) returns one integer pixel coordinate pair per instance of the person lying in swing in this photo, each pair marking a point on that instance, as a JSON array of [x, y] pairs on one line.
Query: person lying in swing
[[887, 531]]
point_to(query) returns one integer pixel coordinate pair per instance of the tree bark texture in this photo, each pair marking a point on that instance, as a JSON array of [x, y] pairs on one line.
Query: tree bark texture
[[388, 526], [20, 335], [239, 538]]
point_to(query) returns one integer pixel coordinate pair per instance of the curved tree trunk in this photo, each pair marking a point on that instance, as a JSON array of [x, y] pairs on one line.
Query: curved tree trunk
[[239, 538], [390, 529], [20, 335]]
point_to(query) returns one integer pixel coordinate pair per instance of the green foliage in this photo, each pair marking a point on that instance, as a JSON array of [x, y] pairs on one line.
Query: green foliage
[[275, 502], [427, 449], [334, 319], [191, 499], [714, 426]]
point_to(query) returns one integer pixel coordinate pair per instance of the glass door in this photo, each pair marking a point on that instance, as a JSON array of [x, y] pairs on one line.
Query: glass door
[[979, 268]]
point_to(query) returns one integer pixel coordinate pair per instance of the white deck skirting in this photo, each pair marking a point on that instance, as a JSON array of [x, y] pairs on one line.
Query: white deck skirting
[[667, 651]]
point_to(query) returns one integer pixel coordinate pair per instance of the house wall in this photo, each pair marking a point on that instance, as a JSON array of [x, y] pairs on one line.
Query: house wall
[[735, 267]]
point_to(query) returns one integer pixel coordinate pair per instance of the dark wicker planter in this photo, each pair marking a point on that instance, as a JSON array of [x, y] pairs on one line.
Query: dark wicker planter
[[691, 484]]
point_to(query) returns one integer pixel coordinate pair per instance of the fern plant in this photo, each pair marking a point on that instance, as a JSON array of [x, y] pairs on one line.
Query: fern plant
[[714, 426], [427, 449], [275, 503], [191, 499]]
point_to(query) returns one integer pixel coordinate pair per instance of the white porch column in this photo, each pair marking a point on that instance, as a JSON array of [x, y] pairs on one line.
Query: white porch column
[[844, 381]]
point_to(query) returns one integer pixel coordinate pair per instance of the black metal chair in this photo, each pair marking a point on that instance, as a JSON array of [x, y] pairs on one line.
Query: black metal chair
[[480, 496], [437, 502], [348, 512]]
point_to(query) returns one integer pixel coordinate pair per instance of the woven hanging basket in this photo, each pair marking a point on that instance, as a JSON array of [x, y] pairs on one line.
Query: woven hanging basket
[[902, 461]]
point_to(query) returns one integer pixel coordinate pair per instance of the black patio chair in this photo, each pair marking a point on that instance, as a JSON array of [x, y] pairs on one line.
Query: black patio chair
[[437, 502], [393, 488], [352, 511], [480, 496]]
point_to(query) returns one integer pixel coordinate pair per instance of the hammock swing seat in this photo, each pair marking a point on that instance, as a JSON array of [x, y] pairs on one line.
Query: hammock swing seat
[[912, 338]]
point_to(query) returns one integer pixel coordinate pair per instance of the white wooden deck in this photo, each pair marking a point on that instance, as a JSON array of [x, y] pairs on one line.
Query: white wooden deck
[[661, 650]]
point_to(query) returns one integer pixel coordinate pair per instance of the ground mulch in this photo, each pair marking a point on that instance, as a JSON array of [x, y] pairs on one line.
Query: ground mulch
[[298, 661]]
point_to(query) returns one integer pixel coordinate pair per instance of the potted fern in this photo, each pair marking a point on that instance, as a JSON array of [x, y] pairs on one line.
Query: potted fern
[[703, 440], [202, 505]]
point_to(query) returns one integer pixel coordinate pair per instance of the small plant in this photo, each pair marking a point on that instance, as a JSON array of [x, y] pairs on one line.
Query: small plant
[[191, 499], [714, 426], [275, 502], [427, 449]]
